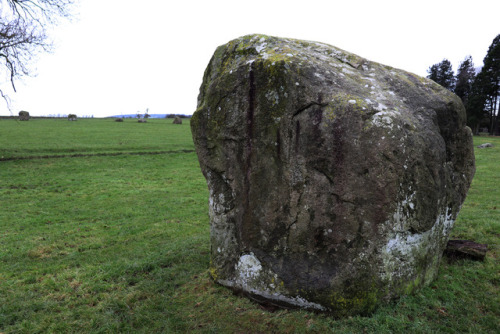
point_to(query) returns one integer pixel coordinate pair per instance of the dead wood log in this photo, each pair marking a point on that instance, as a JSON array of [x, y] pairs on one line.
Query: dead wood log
[[465, 249]]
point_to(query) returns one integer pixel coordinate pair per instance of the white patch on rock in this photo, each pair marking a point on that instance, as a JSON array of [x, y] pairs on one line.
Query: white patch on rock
[[248, 268], [215, 203], [404, 249], [348, 71], [380, 107], [249, 277], [401, 216], [222, 232], [261, 47], [273, 96], [403, 243], [322, 45], [296, 301], [384, 118], [323, 57]]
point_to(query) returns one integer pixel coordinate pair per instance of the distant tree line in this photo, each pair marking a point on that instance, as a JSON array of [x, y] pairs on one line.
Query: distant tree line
[[139, 115], [177, 115], [479, 92], [142, 118]]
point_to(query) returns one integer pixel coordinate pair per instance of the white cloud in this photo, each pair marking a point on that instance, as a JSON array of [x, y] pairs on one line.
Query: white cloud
[[124, 56]]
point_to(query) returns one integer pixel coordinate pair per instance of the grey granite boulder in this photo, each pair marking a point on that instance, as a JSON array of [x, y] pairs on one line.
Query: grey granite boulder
[[24, 115], [334, 181]]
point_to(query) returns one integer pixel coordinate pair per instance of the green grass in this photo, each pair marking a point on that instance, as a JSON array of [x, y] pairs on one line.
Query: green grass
[[42, 137], [106, 243]]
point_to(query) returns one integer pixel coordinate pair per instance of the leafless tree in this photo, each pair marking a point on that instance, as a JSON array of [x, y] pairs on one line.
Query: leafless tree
[[23, 35]]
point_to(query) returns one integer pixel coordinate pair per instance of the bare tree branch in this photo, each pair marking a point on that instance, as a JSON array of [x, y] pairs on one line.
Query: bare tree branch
[[23, 35]]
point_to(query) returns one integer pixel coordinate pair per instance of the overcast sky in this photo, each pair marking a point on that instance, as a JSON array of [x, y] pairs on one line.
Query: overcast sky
[[123, 56]]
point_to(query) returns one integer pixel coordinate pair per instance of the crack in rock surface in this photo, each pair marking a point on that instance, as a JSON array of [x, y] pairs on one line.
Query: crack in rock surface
[[334, 181]]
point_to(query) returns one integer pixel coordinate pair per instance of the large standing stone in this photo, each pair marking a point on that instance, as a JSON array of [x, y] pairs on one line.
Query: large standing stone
[[334, 181]]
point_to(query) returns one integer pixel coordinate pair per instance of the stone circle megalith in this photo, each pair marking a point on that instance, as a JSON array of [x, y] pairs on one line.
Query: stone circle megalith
[[24, 115], [334, 181]]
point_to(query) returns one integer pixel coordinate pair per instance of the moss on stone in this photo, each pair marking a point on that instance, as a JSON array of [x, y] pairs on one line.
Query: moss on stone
[[362, 302], [342, 103], [303, 134], [213, 273]]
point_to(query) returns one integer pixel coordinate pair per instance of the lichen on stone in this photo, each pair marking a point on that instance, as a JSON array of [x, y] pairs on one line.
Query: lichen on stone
[[333, 181]]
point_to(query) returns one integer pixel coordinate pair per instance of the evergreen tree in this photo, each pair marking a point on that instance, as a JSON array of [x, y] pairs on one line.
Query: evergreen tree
[[476, 102], [442, 73], [464, 79], [433, 72], [486, 88]]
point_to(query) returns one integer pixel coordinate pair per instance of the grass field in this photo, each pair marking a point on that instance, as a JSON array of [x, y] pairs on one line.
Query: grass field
[[104, 229], [55, 137]]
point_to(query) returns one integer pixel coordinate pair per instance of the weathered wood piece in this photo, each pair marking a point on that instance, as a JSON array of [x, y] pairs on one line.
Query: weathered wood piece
[[459, 249]]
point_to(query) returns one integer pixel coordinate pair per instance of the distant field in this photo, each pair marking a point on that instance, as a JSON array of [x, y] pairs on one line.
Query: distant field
[[42, 137], [113, 237]]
